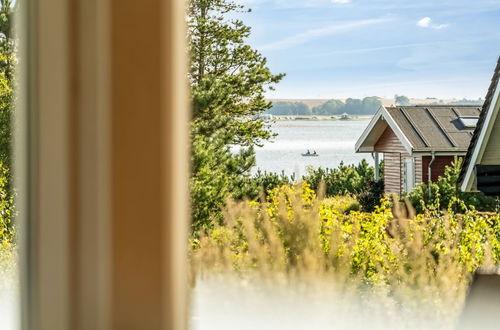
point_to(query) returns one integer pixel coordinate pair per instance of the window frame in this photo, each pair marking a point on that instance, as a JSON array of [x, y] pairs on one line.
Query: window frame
[[409, 186], [78, 268]]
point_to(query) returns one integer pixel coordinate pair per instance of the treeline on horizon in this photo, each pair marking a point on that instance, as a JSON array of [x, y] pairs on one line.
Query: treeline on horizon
[[366, 106]]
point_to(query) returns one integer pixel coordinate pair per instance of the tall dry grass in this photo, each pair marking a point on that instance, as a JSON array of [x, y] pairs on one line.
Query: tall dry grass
[[420, 263]]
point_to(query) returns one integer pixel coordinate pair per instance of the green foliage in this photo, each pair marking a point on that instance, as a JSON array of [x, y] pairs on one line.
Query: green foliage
[[6, 209], [366, 106], [6, 101], [446, 190], [210, 183], [290, 108], [228, 80], [371, 196], [7, 63], [7, 85], [260, 184], [356, 180], [330, 107], [7, 229], [401, 100], [345, 179], [295, 232], [7, 8]]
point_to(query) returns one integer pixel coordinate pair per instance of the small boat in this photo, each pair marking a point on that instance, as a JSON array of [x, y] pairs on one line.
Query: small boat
[[310, 155]]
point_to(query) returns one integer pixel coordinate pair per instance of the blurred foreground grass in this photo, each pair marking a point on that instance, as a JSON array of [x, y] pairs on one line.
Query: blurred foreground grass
[[7, 265], [420, 264]]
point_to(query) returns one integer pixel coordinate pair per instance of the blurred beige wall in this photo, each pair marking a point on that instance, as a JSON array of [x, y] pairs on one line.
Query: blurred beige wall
[[102, 156]]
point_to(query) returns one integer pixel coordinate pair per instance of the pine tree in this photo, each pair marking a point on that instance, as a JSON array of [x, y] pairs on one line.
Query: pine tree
[[228, 80]]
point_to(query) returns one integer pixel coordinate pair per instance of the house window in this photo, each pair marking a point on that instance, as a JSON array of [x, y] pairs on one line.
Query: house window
[[469, 122], [409, 175]]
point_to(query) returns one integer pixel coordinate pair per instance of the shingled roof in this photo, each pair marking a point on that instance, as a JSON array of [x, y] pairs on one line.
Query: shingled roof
[[482, 118], [435, 128], [426, 128]]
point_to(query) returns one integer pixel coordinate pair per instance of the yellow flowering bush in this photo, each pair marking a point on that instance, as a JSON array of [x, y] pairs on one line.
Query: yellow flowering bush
[[294, 227], [296, 236]]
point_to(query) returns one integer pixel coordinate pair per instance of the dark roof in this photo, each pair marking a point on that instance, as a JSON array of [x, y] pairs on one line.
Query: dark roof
[[482, 118], [435, 127]]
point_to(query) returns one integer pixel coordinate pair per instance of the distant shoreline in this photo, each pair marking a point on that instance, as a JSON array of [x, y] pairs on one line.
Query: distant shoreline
[[385, 101], [320, 118]]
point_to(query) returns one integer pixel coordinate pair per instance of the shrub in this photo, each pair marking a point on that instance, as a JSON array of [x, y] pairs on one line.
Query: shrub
[[260, 184], [371, 196], [309, 227], [209, 192], [345, 179], [357, 180], [446, 189]]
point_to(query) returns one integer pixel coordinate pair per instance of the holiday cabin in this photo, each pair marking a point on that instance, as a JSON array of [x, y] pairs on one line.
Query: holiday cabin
[[417, 142], [481, 169]]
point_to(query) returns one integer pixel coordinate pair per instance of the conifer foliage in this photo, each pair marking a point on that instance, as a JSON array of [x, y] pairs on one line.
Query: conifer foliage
[[228, 80]]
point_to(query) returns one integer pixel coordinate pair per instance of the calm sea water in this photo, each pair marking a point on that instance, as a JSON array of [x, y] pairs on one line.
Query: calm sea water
[[333, 141]]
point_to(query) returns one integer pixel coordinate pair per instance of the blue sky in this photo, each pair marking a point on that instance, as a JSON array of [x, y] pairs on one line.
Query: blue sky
[[358, 48]]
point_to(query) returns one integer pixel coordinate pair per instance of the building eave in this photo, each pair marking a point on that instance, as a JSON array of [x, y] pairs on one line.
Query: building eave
[[440, 153], [383, 114], [484, 135]]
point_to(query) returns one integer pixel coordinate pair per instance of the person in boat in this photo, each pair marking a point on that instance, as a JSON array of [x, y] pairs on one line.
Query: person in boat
[[314, 153], [308, 152]]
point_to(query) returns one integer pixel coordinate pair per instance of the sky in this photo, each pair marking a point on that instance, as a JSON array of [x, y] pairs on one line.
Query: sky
[[358, 48]]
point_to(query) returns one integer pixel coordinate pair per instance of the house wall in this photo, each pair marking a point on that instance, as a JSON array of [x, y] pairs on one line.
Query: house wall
[[419, 170], [395, 154], [394, 157], [437, 167], [392, 172], [491, 154], [389, 142]]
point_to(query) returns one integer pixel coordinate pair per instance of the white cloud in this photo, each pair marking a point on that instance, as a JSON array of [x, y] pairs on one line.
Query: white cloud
[[340, 1], [426, 22], [318, 33]]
